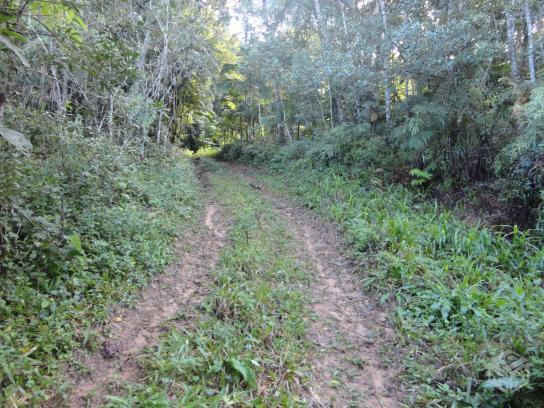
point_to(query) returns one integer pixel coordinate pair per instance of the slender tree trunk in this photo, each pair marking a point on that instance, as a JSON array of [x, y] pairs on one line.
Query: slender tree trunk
[[511, 34], [143, 52], [461, 7], [344, 23], [331, 106], [340, 111], [540, 27], [530, 42], [260, 120], [322, 113], [285, 125], [318, 11], [324, 34], [386, 64], [450, 11], [2, 104], [110, 116], [56, 93], [253, 129], [252, 121], [357, 109], [159, 128], [241, 128], [497, 30]]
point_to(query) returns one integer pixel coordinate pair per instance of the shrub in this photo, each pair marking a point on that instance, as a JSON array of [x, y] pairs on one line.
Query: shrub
[[520, 165], [82, 225]]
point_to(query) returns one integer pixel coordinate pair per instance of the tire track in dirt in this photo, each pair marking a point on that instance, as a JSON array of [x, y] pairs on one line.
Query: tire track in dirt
[[178, 290], [349, 329]]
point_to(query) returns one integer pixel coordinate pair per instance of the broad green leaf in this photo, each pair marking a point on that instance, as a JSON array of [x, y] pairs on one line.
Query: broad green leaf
[[75, 240], [15, 138], [505, 383], [16, 50], [245, 371]]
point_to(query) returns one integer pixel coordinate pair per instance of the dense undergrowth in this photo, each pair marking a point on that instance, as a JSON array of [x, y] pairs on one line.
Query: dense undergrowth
[[83, 223], [244, 348], [468, 300]]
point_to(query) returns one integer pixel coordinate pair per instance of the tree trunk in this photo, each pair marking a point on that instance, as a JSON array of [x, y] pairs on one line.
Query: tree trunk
[[322, 113], [56, 92], [252, 121], [159, 128], [358, 113], [344, 23], [318, 11], [450, 11], [143, 52], [285, 125], [260, 120], [386, 64], [324, 34], [110, 116], [331, 106], [530, 43], [241, 128], [461, 7], [511, 34], [2, 104]]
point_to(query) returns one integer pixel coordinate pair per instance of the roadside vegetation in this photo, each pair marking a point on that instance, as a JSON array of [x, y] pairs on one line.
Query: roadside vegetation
[[245, 347], [468, 300], [84, 228], [92, 188]]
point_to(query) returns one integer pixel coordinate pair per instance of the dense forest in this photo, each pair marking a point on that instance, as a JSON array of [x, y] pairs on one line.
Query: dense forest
[[445, 87], [140, 134]]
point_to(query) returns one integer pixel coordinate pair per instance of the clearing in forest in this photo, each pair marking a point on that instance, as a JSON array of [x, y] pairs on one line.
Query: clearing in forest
[[272, 314]]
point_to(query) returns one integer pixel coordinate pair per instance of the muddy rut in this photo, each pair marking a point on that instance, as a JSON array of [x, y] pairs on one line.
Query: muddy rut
[[179, 289], [348, 330]]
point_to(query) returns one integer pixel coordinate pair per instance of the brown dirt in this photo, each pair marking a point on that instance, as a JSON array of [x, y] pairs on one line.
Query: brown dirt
[[349, 329], [176, 291]]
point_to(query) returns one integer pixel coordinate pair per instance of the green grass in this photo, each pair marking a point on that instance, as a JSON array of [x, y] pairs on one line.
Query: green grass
[[468, 301], [246, 346], [60, 275]]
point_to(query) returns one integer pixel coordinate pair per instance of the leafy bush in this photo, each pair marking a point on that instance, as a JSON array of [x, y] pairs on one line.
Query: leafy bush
[[356, 149], [248, 153], [81, 226], [520, 165], [230, 152]]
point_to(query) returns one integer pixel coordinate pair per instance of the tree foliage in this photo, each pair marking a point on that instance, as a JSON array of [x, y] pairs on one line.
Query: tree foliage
[[432, 78]]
